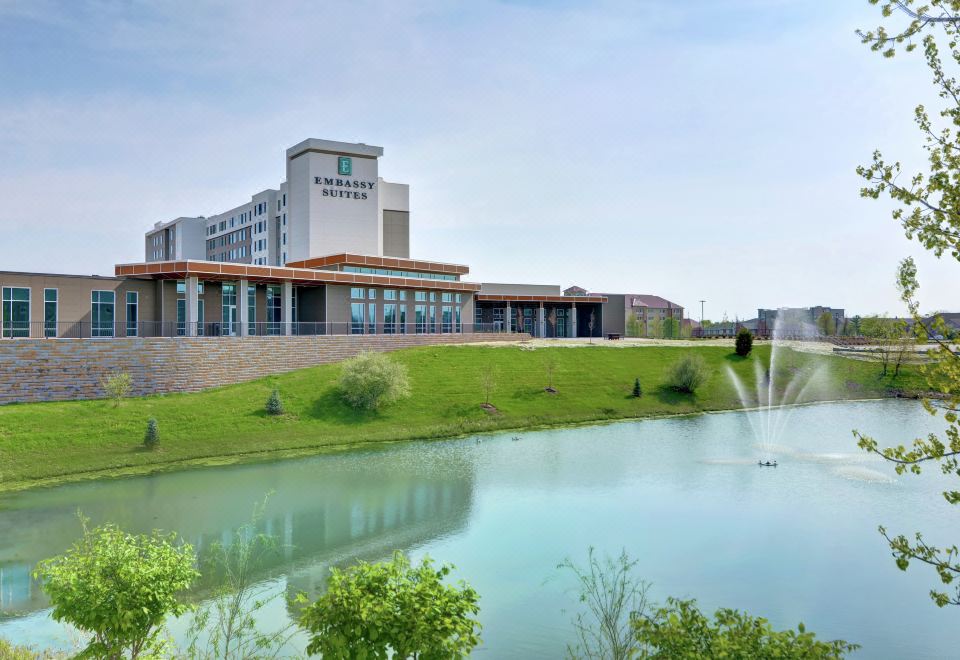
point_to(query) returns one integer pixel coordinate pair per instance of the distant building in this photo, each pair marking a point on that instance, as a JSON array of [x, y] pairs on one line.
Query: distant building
[[796, 321], [730, 328], [575, 291], [642, 315]]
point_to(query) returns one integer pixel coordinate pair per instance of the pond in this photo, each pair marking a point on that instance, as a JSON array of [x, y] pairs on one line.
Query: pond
[[684, 496]]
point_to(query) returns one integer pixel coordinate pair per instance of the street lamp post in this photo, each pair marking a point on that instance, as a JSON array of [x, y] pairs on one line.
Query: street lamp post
[[701, 317]]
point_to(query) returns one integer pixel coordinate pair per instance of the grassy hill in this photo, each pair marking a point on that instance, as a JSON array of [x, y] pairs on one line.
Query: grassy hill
[[51, 442]]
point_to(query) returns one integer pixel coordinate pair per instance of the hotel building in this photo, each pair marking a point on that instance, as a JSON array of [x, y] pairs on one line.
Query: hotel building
[[326, 252]]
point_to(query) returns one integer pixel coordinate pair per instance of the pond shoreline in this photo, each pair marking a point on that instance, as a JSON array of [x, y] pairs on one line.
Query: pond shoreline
[[285, 454]]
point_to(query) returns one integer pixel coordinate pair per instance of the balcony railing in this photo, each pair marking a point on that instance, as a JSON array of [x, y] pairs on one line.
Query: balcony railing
[[120, 329]]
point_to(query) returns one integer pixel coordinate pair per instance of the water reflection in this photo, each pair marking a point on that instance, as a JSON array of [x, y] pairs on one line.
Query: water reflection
[[324, 511]]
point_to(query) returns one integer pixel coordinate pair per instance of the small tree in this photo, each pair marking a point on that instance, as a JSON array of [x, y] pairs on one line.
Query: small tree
[[550, 367], [680, 630], [371, 380], [744, 342], [826, 324], [151, 438], [275, 403], [371, 609], [488, 380], [637, 390], [655, 327], [119, 587], [687, 374], [613, 597], [227, 623], [117, 387], [633, 325]]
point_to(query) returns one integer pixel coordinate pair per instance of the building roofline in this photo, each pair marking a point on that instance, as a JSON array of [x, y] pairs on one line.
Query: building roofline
[[216, 270], [31, 274], [494, 297], [334, 147], [349, 259]]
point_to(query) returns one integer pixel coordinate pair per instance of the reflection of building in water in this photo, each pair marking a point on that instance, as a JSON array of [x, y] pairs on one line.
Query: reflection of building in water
[[324, 511]]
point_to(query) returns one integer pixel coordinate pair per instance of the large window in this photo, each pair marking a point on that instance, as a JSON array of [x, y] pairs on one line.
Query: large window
[[251, 310], [102, 305], [456, 311], [433, 318], [403, 319], [132, 313], [446, 319], [182, 317], [356, 318], [372, 318], [358, 292], [274, 309], [16, 311], [389, 318], [50, 312], [228, 306], [420, 316]]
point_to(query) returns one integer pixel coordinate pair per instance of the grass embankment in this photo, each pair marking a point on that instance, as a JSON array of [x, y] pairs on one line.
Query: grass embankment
[[51, 442]]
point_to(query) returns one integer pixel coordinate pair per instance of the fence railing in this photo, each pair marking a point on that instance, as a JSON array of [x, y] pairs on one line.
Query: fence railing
[[119, 329]]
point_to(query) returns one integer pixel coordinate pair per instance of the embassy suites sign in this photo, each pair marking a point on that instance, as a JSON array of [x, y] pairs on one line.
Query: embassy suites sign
[[345, 188]]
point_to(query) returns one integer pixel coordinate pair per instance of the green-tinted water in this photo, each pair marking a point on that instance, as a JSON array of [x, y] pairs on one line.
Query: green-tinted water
[[685, 496]]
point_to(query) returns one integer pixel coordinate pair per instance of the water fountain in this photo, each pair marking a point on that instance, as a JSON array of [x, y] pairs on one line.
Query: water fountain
[[776, 391]]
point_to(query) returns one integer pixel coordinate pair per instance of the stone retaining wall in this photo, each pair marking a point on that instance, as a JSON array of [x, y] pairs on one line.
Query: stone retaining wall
[[65, 369]]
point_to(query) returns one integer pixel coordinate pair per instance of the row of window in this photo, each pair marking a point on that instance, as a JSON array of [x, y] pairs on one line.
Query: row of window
[[398, 273], [392, 294], [15, 312], [363, 319]]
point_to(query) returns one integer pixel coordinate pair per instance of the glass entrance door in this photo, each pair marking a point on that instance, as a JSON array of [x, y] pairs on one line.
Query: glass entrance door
[[229, 307]]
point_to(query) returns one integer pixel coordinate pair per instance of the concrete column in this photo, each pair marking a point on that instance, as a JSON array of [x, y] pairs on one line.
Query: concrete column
[[243, 308], [508, 318], [192, 302], [287, 301], [573, 320], [541, 322]]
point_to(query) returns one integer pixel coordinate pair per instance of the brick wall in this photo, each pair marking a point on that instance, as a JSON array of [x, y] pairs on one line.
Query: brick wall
[[64, 369]]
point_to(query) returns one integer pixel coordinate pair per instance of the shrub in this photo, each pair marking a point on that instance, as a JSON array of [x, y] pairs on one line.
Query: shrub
[[117, 386], [744, 342], [637, 390], [371, 380], [152, 437], [120, 588], [687, 374], [680, 630], [371, 609], [275, 403]]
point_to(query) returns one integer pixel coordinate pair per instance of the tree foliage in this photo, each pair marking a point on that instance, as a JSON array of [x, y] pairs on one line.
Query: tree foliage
[[370, 610], [119, 587], [927, 204], [611, 598], [679, 631], [371, 380], [744, 342], [117, 387], [826, 324], [151, 437], [274, 403], [226, 627], [891, 340], [687, 374]]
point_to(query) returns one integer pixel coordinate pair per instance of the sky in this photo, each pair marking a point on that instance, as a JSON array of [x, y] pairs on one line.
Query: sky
[[697, 150]]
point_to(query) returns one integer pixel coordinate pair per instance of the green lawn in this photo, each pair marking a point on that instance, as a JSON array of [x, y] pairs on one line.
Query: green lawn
[[49, 442]]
